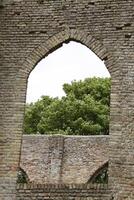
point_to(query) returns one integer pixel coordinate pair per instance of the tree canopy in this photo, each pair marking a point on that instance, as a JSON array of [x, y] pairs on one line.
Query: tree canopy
[[83, 111]]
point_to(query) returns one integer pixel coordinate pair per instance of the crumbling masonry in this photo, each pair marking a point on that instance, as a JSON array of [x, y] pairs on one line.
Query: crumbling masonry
[[29, 31]]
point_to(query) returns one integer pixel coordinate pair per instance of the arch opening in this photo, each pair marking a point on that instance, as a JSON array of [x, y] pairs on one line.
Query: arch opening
[[39, 53], [75, 77], [100, 175], [56, 41], [22, 176], [72, 59]]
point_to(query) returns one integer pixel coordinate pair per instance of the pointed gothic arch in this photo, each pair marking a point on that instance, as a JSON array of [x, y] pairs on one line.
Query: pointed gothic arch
[[56, 42], [102, 170]]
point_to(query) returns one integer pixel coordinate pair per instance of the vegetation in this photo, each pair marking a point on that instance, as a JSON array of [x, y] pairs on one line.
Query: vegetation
[[22, 176], [101, 176], [83, 111]]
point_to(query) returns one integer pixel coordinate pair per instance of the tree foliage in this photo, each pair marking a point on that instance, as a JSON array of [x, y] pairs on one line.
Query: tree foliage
[[83, 111]]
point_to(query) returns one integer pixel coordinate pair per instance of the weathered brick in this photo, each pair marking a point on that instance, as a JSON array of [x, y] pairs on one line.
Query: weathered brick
[[27, 25]]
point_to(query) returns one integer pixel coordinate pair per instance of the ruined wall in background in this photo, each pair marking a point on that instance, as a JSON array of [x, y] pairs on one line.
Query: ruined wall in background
[[29, 31], [63, 159]]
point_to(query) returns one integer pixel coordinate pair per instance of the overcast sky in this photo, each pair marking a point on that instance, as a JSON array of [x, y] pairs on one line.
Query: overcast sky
[[73, 61]]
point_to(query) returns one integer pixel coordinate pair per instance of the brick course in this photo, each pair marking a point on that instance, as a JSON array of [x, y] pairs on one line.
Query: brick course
[[63, 192]]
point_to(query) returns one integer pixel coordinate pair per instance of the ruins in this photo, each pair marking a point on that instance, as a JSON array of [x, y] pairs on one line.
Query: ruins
[[29, 31]]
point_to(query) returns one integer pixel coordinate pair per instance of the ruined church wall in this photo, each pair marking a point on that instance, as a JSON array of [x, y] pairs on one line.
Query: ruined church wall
[[29, 31], [63, 159]]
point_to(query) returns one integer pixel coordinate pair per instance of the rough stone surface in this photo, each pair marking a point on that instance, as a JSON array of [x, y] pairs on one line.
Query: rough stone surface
[[29, 31], [63, 192], [63, 159]]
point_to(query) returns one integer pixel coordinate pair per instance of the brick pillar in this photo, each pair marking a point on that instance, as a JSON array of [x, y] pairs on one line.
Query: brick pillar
[[56, 148], [11, 117], [122, 134]]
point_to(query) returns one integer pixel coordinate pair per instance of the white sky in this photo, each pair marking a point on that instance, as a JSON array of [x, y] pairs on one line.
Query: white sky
[[73, 61]]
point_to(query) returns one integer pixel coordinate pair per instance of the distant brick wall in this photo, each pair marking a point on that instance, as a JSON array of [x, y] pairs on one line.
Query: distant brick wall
[[63, 192], [63, 159]]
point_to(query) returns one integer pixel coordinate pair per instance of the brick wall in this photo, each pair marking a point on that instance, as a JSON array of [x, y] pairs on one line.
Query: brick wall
[[63, 159], [29, 31], [63, 192]]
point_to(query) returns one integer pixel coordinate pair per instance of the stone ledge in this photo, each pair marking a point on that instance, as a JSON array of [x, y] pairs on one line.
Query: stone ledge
[[25, 186]]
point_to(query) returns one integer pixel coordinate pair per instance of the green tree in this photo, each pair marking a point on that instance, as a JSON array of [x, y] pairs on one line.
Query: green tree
[[83, 111], [33, 114], [98, 88]]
